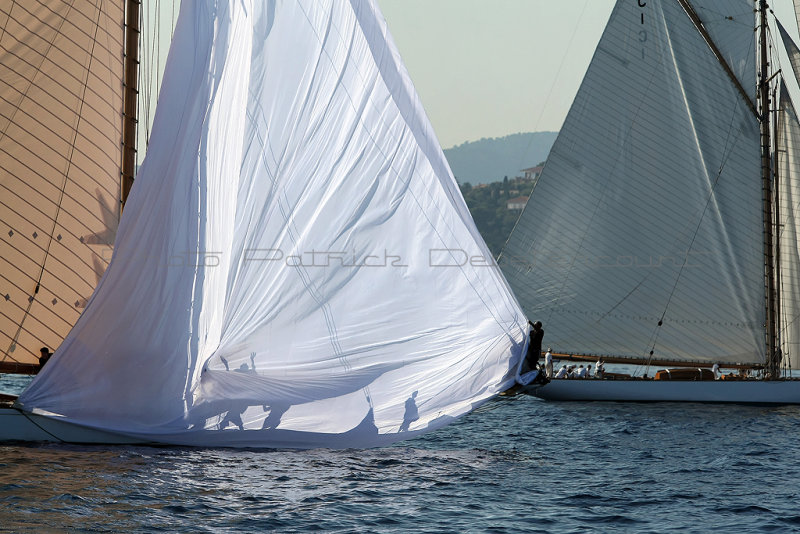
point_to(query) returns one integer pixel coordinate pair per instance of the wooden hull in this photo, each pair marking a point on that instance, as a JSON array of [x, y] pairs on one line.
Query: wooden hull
[[18, 426], [20, 368], [718, 391]]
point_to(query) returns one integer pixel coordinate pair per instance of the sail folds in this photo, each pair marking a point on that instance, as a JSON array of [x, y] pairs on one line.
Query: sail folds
[[644, 232], [295, 266], [60, 135], [788, 156], [788, 173]]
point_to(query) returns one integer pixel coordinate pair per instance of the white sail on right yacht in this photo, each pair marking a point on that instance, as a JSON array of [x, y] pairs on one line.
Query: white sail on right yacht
[[663, 231]]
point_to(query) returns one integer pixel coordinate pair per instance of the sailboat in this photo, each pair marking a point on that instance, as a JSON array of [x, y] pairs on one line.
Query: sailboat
[[662, 231], [66, 163], [288, 270]]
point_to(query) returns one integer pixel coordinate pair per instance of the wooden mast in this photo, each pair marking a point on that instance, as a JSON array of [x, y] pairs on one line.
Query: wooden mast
[[131, 94], [766, 180]]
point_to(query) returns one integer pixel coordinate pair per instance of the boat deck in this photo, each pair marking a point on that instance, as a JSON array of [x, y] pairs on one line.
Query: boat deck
[[736, 391]]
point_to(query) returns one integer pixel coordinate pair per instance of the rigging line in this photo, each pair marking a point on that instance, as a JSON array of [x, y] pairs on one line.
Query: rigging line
[[294, 234], [45, 327], [144, 68], [3, 132], [24, 93], [657, 329], [788, 322], [31, 300], [493, 310], [794, 127], [25, 414], [449, 186], [153, 71], [700, 27], [597, 204], [561, 63], [783, 122]]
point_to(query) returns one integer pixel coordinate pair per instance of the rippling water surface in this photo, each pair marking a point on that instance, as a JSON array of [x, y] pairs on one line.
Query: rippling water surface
[[516, 464]]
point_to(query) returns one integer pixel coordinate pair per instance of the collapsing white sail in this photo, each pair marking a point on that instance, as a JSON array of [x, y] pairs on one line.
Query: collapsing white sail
[[295, 266], [60, 151], [644, 232]]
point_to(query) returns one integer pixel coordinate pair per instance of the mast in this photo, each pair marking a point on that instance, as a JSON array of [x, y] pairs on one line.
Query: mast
[[766, 180], [131, 97]]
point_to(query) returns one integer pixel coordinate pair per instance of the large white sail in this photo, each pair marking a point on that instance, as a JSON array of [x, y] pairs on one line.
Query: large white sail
[[797, 12], [295, 266], [788, 152], [788, 156], [644, 232], [60, 152]]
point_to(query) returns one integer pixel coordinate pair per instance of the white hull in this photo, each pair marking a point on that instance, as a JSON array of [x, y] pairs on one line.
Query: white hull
[[722, 391], [18, 426]]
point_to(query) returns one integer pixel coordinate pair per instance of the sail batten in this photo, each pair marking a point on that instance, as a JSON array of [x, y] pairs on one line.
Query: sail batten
[[644, 230]]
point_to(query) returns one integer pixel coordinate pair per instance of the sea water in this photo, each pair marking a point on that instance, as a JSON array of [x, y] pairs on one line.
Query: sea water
[[516, 464]]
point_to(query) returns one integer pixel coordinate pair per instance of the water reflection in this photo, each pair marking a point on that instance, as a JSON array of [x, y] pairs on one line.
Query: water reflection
[[591, 467]]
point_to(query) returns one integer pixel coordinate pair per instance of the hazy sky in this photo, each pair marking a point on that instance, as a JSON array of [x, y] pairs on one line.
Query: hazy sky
[[483, 68], [489, 68]]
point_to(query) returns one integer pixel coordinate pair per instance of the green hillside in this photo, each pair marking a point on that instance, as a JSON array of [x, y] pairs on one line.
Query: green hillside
[[488, 204], [489, 159]]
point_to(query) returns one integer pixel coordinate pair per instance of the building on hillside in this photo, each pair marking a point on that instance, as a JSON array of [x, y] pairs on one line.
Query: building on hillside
[[532, 173], [516, 204]]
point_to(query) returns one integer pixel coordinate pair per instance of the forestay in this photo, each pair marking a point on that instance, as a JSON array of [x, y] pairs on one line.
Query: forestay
[[644, 232], [295, 266]]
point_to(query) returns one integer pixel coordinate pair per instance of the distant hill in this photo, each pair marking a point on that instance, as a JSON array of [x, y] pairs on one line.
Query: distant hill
[[489, 160], [492, 210]]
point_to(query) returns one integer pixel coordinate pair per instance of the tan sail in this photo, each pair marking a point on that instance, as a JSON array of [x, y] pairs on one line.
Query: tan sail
[[61, 82]]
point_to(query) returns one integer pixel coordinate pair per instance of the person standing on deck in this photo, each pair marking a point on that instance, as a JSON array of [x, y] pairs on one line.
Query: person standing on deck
[[45, 355], [548, 363]]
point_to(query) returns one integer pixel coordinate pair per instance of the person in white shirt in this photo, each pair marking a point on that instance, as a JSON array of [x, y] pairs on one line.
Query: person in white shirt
[[598, 369], [548, 364], [562, 373], [715, 370]]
